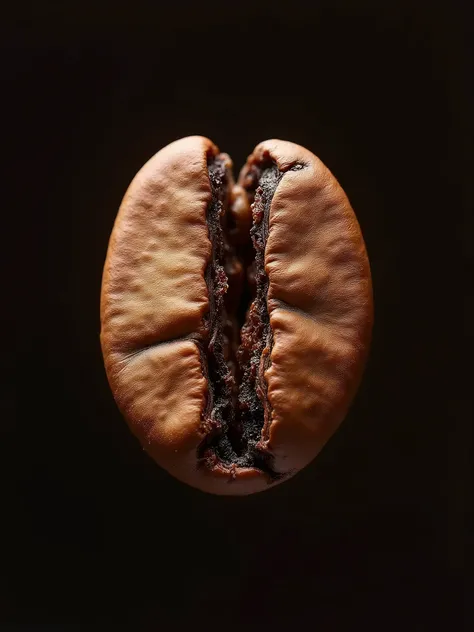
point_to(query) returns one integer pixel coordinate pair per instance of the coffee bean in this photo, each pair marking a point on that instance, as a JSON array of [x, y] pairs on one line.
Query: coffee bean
[[229, 411]]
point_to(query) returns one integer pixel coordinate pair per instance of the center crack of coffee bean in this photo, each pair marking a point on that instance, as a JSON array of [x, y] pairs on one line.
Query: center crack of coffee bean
[[237, 414]]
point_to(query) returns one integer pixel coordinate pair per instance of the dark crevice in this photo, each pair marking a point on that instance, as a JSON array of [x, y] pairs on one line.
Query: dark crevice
[[237, 415], [219, 416], [256, 336]]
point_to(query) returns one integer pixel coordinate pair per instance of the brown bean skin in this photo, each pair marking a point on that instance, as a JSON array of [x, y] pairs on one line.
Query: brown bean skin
[[154, 303]]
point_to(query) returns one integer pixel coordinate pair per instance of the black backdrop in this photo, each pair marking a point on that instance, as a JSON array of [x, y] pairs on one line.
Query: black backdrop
[[373, 534]]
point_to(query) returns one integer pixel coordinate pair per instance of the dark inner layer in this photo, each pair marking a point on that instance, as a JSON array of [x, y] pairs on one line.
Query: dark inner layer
[[236, 414]]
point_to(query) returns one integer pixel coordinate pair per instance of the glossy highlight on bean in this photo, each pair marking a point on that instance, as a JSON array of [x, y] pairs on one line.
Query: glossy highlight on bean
[[235, 317]]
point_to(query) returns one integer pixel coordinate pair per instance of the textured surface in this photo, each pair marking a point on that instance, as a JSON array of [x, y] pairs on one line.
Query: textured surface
[[153, 292], [153, 287]]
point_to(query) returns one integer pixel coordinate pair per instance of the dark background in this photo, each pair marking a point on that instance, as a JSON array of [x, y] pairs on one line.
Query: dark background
[[373, 535]]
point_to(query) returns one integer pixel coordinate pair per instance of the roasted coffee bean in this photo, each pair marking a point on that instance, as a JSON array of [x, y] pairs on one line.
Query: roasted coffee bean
[[233, 388]]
